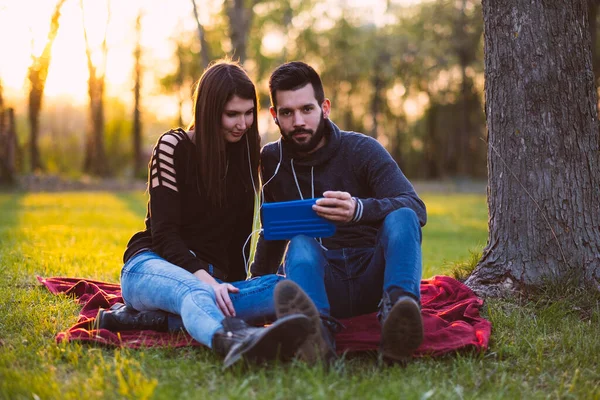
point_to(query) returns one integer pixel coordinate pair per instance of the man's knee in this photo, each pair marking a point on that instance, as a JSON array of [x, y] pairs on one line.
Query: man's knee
[[303, 250], [401, 222], [302, 244]]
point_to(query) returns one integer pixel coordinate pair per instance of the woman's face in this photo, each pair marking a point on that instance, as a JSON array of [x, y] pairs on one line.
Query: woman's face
[[237, 117]]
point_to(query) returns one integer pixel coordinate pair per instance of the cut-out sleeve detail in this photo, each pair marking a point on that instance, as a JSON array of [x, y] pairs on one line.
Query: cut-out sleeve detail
[[162, 167], [167, 169]]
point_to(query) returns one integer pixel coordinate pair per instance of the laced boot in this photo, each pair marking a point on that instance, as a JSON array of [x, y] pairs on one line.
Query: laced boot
[[120, 318], [320, 344], [279, 340], [401, 325]]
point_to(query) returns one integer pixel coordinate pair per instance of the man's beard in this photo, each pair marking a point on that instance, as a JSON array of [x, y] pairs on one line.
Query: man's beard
[[308, 146]]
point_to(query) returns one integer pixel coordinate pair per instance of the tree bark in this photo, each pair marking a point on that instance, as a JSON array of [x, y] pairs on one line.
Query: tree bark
[[543, 148], [37, 74], [592, 18]]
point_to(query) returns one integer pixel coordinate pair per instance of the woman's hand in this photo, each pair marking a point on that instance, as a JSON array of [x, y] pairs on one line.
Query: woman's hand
[[221, 290]]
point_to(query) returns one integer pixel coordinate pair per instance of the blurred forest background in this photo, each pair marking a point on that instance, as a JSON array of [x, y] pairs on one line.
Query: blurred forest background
[[87, 86]]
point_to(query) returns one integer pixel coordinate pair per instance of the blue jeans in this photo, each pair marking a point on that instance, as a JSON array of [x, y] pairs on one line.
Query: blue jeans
[[149, 283], [350, 281]]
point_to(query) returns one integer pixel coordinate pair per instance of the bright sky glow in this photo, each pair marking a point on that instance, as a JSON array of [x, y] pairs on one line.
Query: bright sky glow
[[24, 27]]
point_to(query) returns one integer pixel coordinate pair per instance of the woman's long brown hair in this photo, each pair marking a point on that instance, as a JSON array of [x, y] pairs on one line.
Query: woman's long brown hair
[[218, 84]]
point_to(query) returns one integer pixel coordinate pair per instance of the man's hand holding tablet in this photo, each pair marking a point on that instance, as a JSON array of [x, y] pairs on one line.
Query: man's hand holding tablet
[[336, 206]]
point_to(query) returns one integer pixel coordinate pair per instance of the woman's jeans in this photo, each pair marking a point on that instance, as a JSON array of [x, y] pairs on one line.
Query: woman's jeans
[[149, 283], [350, 281]]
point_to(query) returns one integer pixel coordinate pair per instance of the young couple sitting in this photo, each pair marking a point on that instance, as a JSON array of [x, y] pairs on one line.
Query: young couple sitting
[[187, 269]]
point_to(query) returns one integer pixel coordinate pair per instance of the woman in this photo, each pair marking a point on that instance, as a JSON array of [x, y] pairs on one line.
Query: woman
[[202, 185]]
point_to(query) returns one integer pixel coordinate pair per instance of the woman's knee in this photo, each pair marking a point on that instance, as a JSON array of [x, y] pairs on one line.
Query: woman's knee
[[198, 295]]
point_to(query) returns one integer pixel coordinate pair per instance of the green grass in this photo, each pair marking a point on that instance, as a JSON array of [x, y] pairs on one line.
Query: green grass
[[547, 348]]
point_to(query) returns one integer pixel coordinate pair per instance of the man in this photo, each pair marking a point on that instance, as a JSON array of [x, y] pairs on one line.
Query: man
[[374, 259]]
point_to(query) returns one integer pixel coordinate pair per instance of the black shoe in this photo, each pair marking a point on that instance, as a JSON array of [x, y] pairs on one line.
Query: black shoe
[[279, 340], [120, 318], [401, 326], [320, 344]]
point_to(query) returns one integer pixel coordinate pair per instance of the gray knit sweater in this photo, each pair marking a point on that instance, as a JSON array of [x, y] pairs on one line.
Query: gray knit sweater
[[350, 162]]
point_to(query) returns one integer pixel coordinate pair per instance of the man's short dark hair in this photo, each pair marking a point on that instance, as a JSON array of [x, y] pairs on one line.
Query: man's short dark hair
[[295, 75]]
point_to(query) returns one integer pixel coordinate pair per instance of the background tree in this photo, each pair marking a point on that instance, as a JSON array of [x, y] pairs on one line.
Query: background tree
[[240, 14], [37, 75], [543, 156], [138, 163], [8, 142], [204, 48], [179, 81], [449, 59], [95, 155], [4, 173]]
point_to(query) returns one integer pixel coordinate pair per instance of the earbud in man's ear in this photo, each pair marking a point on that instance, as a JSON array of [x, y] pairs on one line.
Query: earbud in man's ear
[[276, 121]]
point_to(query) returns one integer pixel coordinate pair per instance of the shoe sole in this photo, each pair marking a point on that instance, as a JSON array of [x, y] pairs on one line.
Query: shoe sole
[[402, 331], [291, 299], [279, 340]]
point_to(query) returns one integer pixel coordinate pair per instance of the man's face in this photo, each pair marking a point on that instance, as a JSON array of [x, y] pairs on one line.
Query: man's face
[[301, 119]]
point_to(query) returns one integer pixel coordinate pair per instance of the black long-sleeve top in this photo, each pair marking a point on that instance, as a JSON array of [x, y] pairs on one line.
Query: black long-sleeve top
[[181, 225]]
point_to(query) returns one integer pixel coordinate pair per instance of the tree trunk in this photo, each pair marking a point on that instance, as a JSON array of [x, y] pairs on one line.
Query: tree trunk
[[240, 21], [37, 74], [204, 49], [95, 158], [431, 149], [180, 76], [8, 146], [463, 157], [95, 162], [378, 83], [543, 149], [138, 163], [34, 127]]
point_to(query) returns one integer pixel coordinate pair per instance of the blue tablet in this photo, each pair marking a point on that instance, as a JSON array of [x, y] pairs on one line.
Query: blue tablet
[[286, 219]]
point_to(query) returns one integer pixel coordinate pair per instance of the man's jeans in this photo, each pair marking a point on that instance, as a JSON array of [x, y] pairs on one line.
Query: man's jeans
[[149, 283], [348, 282]]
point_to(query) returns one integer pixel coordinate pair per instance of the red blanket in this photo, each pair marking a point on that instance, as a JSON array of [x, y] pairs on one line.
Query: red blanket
[[450, 312]]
